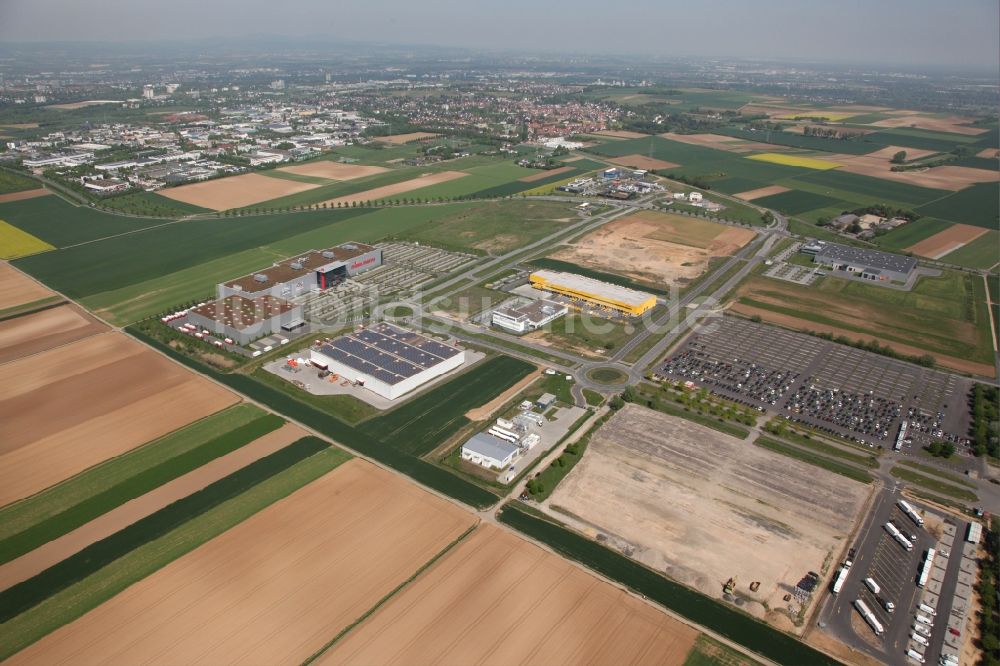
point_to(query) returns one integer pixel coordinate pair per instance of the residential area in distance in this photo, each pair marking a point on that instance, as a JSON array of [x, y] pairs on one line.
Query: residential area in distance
[[361, 351]]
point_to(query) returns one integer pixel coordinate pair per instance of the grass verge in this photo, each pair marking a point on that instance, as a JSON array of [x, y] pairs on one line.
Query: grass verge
[[791, 451], [933, 484]]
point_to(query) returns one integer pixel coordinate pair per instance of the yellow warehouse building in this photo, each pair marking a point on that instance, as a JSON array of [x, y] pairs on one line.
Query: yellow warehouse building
[[595, 292]]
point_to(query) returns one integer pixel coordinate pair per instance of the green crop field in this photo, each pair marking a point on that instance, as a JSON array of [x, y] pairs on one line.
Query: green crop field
[[426, 421], [983, 252], [156, 253], [152, 204], [587, 335], [13, 182], [61, 224], [941, 315], [61, 509], [341, 188], [877, 188], [794, 202], [911, 233], [276, 479], [933, 484], [845, 146], [494, 226], [913, 138], [721, 618], [710, 652], [976, 205]]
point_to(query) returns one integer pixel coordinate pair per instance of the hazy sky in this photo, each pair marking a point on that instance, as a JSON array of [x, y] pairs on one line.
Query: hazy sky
[[920, 32]]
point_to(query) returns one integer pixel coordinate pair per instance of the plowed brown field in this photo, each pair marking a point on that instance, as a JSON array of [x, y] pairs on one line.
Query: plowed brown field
[[497, 599], [398, 188], [620, 134], [760, 192], [275, 588], [399, 139], [235, 191], [67, 409], [952, 124], [16, 288], [643, 162], [29, 334], [544, 174], [24, 194], [947, 241]]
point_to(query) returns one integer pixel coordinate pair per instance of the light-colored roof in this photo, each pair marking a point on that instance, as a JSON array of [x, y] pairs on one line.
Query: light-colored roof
[[606, 290], [488, 446]]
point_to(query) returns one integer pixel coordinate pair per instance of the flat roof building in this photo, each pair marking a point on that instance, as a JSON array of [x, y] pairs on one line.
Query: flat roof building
[[871, 265], [389, 360], [246, 319], [489, 451], [529, 316], [602, 294], [311, 271]]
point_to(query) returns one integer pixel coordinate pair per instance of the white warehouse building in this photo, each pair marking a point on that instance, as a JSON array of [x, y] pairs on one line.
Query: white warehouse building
[[388, 360], [488, 451]]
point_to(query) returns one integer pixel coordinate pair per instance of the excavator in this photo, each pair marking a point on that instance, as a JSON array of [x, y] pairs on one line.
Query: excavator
[[730, 585]]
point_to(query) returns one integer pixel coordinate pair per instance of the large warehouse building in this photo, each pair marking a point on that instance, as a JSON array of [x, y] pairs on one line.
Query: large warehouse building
[[870, 265], [246, 319], [595, 292], [312, 271], [386, 359]]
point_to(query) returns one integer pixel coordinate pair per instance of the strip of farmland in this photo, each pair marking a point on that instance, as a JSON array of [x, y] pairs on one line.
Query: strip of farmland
[[275, 588]]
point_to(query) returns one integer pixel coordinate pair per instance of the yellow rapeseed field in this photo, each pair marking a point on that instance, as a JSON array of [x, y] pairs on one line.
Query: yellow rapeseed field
[[15, 243]]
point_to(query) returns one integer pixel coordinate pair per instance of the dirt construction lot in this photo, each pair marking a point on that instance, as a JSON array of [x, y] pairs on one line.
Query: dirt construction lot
[[16, 288], [334, 170], [497, 599], [398, 188], [947, 241], [67, 409], [277, 587], [235, 191], [703, 506], [28, 334], [659, 248]]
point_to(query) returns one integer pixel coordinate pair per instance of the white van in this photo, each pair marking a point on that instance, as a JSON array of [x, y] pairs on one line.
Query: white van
[[919, 639], [925, 620]]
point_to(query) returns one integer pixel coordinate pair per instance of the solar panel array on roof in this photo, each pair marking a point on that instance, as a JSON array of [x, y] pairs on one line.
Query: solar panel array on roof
[[388, 353]]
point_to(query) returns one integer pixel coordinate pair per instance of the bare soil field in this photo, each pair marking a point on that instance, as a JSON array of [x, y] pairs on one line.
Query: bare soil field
[[951, 178], [960, 364], [57, 550], [235, 191], [655, 247], [485, 411], [498, 599], [22, 336], [67, 409], [720, 142], [947, 241], [24, 194], [643, 162], [989, 153], [399, 188], [544, 174], [16, 288], [702, 506], [888, 152], [334, 170], [620, 134], [761, 192], [275, 588], [399, 139], [20, 125], [952, 124]]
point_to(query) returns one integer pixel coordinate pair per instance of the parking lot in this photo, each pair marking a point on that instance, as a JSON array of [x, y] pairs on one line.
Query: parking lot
[[895, 570], [838, 389]]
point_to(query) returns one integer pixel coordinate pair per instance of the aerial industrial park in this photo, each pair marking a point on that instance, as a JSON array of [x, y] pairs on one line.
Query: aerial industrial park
[[319, 350]]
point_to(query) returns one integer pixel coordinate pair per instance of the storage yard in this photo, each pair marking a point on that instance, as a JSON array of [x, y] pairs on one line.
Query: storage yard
[[497, 599], [703, 507], [275, 588], [658, 248], [54, 424], [845, 391]]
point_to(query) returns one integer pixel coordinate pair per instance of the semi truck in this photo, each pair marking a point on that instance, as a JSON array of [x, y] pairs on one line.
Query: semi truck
[[869, 617], [911, 512], [841, 577]]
